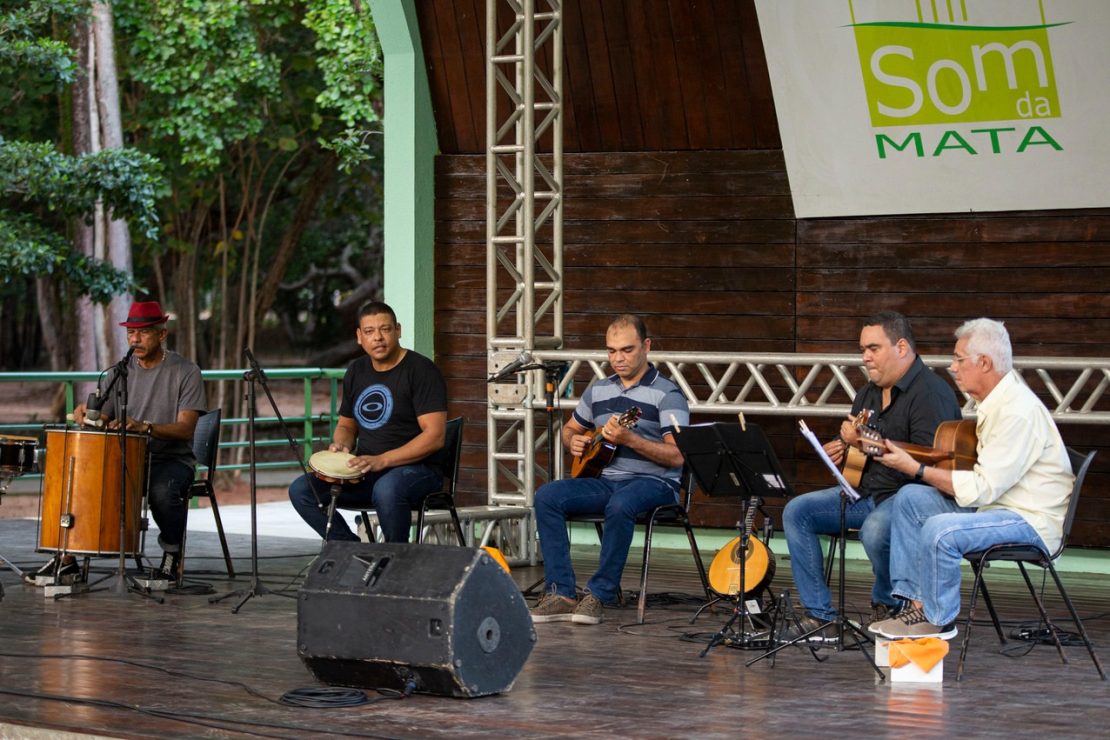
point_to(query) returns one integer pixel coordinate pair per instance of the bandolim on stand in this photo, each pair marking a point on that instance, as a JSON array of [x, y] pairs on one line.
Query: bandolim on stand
[[737, 460], [844, 626]]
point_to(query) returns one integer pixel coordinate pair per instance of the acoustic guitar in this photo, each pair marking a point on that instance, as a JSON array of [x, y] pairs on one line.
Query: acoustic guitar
[[599, 452], [759, 563], [855, 459], [954, 446]]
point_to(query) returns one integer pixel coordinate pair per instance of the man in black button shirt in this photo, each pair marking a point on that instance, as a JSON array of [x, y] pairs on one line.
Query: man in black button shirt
[[907, 402]]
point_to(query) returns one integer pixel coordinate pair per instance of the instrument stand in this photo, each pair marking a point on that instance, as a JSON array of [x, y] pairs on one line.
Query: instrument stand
[[257, 588], [5, 480], [734, 460], [334, 491], [552, 372], [844, 626], [741, 611]]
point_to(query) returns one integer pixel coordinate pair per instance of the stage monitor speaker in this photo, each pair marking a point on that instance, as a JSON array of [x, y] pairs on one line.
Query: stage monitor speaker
[[436, 619]]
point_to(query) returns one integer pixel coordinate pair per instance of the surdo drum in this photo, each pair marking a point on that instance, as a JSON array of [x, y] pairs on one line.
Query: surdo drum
[[80, 504]]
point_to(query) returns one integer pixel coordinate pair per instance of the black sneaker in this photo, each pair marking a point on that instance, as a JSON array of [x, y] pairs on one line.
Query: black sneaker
[[825, 631], [69, 568], [168, 569]]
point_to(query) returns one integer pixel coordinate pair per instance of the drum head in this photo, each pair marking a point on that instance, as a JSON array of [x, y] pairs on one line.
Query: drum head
[[333, 465]]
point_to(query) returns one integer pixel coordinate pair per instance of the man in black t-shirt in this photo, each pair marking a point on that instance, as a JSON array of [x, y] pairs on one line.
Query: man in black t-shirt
[[907, 402], [393, 418]]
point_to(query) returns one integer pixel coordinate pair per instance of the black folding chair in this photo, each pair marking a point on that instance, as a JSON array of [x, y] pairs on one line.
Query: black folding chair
[[206, 447], [1024, 554]]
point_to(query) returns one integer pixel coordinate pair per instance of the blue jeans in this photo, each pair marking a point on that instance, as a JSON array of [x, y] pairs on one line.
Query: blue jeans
[[620, 501], [168, 484], [818, 513], [392, 493], [931, 532]]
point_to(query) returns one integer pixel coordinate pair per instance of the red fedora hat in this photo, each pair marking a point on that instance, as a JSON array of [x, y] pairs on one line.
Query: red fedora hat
[[147, 313]]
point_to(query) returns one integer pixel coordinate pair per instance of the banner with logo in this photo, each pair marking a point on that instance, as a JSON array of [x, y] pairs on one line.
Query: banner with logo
[[941, 106]]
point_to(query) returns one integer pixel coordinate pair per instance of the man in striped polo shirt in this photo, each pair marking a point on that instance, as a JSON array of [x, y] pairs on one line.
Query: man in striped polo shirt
[[643, 474]]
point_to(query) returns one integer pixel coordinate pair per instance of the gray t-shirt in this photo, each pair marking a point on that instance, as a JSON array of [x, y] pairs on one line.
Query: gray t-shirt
[[157, 395]]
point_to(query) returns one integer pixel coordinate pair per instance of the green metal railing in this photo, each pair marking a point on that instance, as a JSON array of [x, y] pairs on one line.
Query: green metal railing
[[305, 421]]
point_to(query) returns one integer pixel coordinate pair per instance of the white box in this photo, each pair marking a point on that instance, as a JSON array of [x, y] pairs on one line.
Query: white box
[[882, 652], [911, 673]]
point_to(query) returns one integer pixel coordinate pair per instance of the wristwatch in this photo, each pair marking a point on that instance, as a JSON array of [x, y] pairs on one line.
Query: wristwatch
[[920, 473], [148, 427]]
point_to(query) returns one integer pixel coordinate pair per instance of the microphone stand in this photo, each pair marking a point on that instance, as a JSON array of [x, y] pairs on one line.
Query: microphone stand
[[125, 584], [257, 588]]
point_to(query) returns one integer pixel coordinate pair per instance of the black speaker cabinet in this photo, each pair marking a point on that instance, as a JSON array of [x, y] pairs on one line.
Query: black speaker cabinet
[[448, 620]]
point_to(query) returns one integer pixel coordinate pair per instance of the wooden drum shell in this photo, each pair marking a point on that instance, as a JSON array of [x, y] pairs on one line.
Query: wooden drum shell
[[81, 483]]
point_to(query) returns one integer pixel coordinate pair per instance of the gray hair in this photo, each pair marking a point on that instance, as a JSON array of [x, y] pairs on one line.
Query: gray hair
[[988, 337]]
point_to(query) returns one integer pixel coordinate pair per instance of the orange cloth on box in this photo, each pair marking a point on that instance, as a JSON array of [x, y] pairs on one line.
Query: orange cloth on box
[[924, 652]]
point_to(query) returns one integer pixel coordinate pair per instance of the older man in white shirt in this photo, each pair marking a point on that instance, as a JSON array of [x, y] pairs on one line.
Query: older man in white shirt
[[1017, 492]]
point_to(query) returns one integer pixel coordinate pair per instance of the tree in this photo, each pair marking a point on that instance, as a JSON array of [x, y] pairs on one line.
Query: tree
[[43, 190], [262, 114]]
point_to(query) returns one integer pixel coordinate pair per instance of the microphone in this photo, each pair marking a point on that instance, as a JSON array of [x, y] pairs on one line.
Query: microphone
[[521, 360], [92, 409], [96, 401]]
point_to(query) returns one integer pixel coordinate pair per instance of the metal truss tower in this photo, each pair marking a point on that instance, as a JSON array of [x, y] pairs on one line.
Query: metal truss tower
[[524, 231]]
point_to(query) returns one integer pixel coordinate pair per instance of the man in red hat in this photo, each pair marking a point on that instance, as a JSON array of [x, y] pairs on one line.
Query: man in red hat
[[165, 397]]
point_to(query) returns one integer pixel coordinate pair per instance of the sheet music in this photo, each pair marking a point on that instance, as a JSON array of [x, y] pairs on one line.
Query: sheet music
[[845, 486]]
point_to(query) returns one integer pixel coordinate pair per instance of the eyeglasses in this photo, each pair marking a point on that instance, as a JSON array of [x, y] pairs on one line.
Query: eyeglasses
[[147, 330], [957, 360]]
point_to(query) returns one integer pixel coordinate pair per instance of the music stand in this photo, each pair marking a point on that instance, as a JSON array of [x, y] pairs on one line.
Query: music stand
[[843, 625], [729, 459]]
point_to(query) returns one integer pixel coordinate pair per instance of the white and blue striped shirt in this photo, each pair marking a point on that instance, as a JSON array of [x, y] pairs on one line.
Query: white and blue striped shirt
[[662, 406]]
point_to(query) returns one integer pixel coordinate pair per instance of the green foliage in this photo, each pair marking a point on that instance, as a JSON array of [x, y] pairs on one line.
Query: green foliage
[[124, 180], [22, 46], [206, 79], [29, 250], [212, 74], [350, 59], [42, 188]]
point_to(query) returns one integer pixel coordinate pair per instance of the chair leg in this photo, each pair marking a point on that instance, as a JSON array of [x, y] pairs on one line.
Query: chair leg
[[370, 536], [420, 525], [458, 525], [1078, 622], [975, 587], [223, 539], [181, 556], [644, 571], [1044, 614], [990, 608], [697, 559]]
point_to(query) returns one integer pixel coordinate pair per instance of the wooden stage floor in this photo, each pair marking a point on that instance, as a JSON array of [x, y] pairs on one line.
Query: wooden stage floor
[[123, 666]]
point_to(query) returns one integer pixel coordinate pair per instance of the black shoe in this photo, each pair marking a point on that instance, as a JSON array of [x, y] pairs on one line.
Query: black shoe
[[68, 568], [168, 569], [825, 631]]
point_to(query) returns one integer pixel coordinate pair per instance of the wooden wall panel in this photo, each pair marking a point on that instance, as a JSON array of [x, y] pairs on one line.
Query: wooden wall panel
[[705, 245], [639, 75]]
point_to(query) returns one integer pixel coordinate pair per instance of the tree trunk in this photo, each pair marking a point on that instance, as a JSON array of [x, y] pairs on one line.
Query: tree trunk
[[88, 316], [111, 130], [275, 271]]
